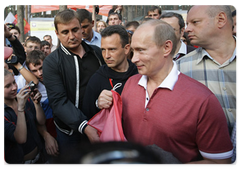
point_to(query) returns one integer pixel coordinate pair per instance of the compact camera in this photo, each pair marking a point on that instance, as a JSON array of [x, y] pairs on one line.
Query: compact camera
[[11, 25], [12, 60], [32, 86]]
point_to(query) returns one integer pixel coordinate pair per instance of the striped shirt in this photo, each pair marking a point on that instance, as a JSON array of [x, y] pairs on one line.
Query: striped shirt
[[219, 78]]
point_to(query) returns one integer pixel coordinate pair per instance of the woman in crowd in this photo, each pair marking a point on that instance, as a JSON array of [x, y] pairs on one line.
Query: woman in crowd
[[21, 118], [100, 26]]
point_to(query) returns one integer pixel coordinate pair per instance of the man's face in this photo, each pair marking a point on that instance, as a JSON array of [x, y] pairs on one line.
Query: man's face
[[235, 25], [87, 32], [15, 32], [113, 52], [154, 14], [30, 46], [48, 39], [173, 21], [200, 26], [148, 57], [70, 34], [114, 20], [37, 70], [46, 50]]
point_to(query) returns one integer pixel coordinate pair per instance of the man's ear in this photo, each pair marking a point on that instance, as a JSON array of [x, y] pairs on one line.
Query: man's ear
[[221, 20], [127, 49], [167, 48], [56, 32], [182, 31]]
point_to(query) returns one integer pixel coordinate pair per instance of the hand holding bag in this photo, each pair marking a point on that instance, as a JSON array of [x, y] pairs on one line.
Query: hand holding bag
[[108, 122]]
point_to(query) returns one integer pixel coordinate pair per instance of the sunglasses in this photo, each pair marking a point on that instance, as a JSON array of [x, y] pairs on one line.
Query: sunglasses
[[130, 32]]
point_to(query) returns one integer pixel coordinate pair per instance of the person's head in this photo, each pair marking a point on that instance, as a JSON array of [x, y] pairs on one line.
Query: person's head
[[114, 19], [32, 43], [115, 46], [6, 53], [154, 12], [34, 62], [86, 23], [45, 47], [68, 29], [132, 25], [145, 20], [154, 45], [185, 39], [48, 38], [10, 86], [101, 25], [26, 38], [15, 30], [176, 21], [208, 24], [234, 17]]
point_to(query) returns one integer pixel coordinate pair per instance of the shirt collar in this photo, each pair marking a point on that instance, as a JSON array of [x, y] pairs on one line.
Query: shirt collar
[[203, 53], [169, 82], [233, 56], [96, 36], [183, 48], [67, 52]]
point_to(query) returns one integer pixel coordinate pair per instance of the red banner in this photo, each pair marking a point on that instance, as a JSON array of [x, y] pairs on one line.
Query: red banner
[[42, 7], [26, 25]]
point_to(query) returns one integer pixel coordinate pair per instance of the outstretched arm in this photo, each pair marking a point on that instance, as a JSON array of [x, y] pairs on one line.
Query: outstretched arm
[[51, 144]]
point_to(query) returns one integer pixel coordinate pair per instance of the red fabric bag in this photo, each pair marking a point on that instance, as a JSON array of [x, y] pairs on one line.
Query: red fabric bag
[[108, 122]]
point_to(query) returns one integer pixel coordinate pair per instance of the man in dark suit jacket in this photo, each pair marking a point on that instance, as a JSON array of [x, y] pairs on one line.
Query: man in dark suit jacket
[[177, 22]]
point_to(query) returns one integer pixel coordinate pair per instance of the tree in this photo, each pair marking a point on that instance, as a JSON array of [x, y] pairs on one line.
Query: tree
[[20, 21]]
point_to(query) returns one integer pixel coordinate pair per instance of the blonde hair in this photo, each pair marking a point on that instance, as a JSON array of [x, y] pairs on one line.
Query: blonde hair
[[104, 23], [7, 72]]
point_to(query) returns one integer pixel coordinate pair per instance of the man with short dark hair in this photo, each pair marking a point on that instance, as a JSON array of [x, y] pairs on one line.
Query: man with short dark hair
[[114, 19], [89, 35], [45, 47], [32, 43], [154, 12], [115, 49], [66, 72], [177, 22]]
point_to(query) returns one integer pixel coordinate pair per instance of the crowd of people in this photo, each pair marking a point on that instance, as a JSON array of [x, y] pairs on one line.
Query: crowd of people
[[177, 84]]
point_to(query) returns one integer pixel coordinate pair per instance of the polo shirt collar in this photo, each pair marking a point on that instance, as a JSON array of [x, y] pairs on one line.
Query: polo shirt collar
[[203, 53], [169, 82]]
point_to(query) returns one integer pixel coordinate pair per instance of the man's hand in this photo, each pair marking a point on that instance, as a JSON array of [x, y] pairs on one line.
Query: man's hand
[[91, 134], [105, 99], [7, 32], [51, 145]]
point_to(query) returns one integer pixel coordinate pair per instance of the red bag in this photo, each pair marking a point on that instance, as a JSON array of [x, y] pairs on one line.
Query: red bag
[[108, 122]]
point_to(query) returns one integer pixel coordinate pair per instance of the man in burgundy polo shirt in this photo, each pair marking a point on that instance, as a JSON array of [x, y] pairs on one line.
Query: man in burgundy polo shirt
[[165, 107]]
